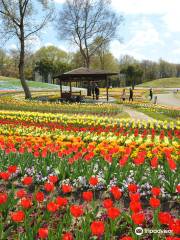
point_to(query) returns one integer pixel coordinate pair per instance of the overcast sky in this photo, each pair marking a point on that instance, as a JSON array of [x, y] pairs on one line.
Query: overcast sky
[[151, 30]]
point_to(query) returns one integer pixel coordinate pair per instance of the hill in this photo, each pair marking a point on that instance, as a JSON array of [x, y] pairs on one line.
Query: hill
[[9, 83], [162, 83]]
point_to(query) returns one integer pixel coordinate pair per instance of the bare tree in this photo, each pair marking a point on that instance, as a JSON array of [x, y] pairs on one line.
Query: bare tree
[[18, 20], [84, 21]]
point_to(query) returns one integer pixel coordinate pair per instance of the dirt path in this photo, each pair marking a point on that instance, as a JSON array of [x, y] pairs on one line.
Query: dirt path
[[136, 115]]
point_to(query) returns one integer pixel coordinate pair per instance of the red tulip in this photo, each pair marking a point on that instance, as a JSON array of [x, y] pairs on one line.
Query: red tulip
[[172, 238], [113, 213], [12, 169], [18, 216], [76, 210], [21, 193], [154, 162], [88, 196], [93, 181], [61, 202], [3, 198], [164, 217], [5, 176], [49, 187], [107, 203], [67, 236], [27, 180], [132, 187], [53, 179], [135, 207], [174, 225], [52, 207], [156, 191], [138, 218], [154, 202], [135, 197], [178, 188], [97, 228], [66, 188], [126, 238], [43, 233], [26, 203], [39, 196], [116, 192]]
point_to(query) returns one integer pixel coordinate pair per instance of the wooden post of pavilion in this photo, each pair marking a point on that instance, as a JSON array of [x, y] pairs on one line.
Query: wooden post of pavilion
[[107, 88], [60, 84], [70, 88]]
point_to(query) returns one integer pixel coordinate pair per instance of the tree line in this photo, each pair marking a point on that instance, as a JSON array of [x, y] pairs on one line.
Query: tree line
[[51, 61]]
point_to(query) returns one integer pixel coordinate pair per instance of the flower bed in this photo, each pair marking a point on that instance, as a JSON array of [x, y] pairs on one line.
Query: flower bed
[[65, 176], [25, 105]]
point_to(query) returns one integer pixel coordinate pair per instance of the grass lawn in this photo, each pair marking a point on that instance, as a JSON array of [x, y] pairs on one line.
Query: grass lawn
[[7, 83], [156, 115], [162, 83]]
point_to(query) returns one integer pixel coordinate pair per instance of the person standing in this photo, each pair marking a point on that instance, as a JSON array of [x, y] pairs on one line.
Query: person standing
[[151, 94], [124, 95], [93, 90], [96, 91], [130, 94]]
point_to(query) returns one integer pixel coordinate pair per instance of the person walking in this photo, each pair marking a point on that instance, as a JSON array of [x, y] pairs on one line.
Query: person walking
[[123, 95], [151, 94], [97, 91], [130, 94]]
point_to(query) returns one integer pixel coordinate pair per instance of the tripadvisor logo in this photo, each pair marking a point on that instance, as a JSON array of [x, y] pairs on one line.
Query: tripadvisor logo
[[139, 231]]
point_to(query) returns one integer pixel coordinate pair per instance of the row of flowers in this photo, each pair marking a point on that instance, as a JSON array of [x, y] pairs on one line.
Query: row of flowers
[[50, 209], [76, 108], [86, 120], [146, 164]]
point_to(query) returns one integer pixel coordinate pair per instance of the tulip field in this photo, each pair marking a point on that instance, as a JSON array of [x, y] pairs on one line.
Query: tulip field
[[66, 176]]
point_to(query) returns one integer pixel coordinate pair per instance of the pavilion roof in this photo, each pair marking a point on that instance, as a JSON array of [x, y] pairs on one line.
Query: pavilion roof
[[88, 71], [85, 72]]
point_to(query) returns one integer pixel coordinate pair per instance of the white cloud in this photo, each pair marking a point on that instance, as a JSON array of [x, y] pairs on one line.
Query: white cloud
[[172, 20], [143, 35], [60, 1], [48, 44], [146, 6], [168, 10], [13, 46], [119, 49], [33, 42]]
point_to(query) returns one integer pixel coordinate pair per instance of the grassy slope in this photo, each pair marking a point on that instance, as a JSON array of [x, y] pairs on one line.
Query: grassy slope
[[164, 82], [7, 83]]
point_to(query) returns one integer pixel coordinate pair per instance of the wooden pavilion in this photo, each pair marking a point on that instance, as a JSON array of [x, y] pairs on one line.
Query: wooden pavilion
[[90, 76]]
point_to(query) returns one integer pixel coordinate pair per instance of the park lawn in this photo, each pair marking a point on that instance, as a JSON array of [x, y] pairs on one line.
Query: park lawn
[[162, 83], [9, 83], [157, 115]]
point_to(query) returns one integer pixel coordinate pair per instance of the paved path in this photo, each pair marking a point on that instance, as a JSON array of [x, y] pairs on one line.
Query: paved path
[[136, 115], [168, 99]]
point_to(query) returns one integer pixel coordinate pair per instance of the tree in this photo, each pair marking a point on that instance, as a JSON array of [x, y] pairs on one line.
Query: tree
[[133, 74], [84, 21], [51, 61], [102, 50], [167, 69], [18, 19], [150, 70], [2, 59]]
